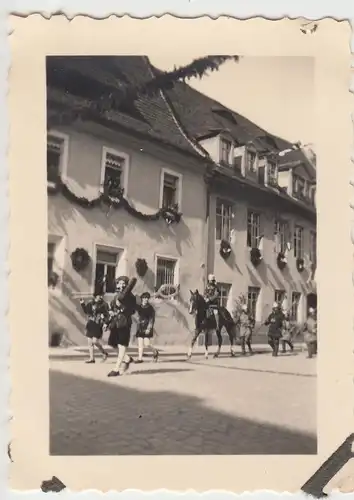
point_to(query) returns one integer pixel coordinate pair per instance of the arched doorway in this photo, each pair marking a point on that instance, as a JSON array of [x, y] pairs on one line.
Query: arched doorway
[[311, 301]]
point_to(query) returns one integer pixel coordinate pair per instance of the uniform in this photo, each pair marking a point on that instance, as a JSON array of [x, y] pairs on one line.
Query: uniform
[[310, 335], [146, 321], [245, 324], [275, 325], [97, 313]]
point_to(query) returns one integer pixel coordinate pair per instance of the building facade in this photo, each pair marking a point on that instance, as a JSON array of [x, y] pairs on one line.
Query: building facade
[[229, 190]]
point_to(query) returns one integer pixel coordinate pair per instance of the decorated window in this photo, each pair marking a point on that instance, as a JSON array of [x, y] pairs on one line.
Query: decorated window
[[299, 188], [106, 270], [279, 296], [251, 161], [299, 242], [252, 300], [224, 293], [253, 229], [170, 190], [55, 156], [280, 231], [294, 310], [166, 273], [313, 246], [224, 214], [225, 153], [113, 172]]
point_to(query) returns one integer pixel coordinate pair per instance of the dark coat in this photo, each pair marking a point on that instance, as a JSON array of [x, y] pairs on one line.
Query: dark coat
[[275, 323]]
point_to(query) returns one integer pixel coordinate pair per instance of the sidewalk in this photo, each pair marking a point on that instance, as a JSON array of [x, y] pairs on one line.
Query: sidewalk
[[79, 352]]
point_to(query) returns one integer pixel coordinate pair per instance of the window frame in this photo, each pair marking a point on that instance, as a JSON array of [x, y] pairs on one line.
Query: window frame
[[272, 180], [259, 235], [179, 176], [292, 317], [120, 263], [125, 173], [223, 142], [231, 206], [253, 169], [64, 157], [222, 286], [296, 254], [281, 293], [282, 248], [258, 289], [176, 281]]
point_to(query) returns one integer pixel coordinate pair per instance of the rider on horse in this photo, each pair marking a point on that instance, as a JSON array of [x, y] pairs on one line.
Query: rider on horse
[[212, 297]]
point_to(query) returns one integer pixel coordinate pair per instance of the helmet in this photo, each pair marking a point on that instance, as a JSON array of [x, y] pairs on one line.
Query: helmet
[[275, 305], [211, 277], [244, 307], [311, 310]]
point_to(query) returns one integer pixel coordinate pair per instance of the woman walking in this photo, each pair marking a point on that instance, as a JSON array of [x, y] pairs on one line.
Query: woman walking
[[310, 333]]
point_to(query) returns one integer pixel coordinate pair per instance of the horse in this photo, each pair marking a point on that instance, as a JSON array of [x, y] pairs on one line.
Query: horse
[[205, 321]]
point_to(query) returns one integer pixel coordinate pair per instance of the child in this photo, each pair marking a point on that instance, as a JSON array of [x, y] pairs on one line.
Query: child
[[146, 321], [287, 334], [97, 312], [310, 333], [245, 324]]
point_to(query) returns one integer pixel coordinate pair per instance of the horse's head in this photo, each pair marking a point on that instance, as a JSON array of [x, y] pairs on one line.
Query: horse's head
[[193, 301]]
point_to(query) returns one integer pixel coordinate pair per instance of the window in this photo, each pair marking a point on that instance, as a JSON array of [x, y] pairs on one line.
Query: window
[[105, 272], [294, 310], [224, 293], [312, 194], [50, 256], [313, 247], [225, 151], [251, 161], [170, 190], [165, 271], [298, 242], [224, 213], [280, 228], [279, 296], [252, 300], [113, 172], [55, 155], [253, 229], [299, 186], [272, 174]]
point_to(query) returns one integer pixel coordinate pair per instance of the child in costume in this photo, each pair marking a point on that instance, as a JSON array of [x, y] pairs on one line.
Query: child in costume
[[145, 330], [97, 313]]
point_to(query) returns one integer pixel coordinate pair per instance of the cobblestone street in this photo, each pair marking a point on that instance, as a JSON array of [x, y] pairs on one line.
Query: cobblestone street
[[243, 405]]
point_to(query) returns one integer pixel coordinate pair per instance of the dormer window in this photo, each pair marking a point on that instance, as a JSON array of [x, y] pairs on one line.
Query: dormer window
[[225, 153], [272, 174], [299, 186], [251, 161]]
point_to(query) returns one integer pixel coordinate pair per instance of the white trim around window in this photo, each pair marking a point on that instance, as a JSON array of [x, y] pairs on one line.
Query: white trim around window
[[64, 158], [125, 173], [179, 187], [176, 269], [121, 268]]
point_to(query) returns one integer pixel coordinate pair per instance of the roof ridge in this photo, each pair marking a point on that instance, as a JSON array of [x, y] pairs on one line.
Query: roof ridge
[[174, 115]]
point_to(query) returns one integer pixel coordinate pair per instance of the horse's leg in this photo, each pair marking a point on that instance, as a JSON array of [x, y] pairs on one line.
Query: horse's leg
[[197, 332], [206, 343], [218, 328], [248, 342], [231, 333]]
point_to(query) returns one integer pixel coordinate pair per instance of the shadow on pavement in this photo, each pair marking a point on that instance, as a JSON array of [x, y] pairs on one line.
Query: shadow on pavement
[[90, 417], [159, 371]]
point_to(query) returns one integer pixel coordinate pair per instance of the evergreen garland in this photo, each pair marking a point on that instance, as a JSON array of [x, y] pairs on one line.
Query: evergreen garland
[[225, 249], [256, 256], [170, 215]]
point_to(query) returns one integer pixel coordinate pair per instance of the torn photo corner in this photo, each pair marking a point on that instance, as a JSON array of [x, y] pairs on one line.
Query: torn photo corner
[[184, 237]]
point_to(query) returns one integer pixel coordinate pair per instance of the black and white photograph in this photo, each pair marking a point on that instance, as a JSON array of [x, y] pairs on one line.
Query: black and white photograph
[[181, 255]]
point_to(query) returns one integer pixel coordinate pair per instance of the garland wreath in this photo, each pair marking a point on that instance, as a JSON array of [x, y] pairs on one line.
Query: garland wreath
[[80, 259], [281, 261], [141, 267], [256, 256], [113, 197], [225, 249], [53, 279], [300, 264], [167, 292]]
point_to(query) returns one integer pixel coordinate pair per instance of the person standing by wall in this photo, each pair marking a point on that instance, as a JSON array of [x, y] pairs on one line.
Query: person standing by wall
[[310, 333]]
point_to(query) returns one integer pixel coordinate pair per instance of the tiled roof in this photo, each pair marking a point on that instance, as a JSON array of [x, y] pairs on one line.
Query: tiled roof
[[79, 79]]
